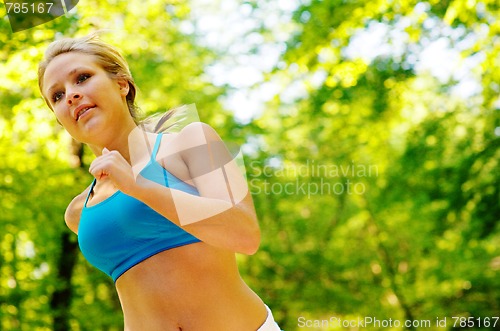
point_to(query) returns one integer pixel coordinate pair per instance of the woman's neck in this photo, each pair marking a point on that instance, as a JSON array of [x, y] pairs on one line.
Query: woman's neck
[[119, 141]]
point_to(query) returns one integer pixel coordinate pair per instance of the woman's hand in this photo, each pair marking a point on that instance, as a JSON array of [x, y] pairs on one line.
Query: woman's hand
[[111, 165]]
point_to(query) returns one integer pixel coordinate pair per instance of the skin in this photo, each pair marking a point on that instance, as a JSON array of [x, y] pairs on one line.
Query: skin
[[192, 287]]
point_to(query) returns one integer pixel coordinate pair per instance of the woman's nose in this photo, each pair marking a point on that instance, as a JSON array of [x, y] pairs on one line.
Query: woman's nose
[[74, 97]]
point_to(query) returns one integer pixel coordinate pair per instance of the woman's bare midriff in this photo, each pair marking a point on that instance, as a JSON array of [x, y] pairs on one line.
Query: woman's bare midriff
[[193, 287]]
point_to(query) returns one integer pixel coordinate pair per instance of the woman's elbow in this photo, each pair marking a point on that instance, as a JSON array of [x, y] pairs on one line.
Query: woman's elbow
[[250, 244]]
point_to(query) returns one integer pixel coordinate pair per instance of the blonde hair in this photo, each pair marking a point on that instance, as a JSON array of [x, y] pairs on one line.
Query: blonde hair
[[108, 57]]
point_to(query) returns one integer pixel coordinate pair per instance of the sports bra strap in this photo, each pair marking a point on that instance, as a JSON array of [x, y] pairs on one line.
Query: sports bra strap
[[90, 191], [157, 146]]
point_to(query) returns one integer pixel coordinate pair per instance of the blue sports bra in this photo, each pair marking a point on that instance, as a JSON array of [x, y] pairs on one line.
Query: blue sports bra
[[120, 232]]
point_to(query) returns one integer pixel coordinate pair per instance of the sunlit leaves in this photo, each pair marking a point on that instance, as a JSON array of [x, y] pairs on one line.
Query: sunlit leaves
[[411, 88]]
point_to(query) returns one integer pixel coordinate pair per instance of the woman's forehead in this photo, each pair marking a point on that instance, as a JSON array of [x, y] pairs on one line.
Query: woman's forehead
[[66, 64]]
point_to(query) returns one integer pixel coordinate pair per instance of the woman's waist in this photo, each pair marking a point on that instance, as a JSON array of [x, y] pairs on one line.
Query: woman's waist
[[195, 284], [190, 270], [200, 309]]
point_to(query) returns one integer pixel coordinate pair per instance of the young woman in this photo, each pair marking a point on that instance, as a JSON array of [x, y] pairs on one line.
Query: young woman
[[165, 214]]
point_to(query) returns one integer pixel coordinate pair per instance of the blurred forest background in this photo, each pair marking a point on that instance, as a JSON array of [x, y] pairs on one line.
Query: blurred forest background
[[371, 134]]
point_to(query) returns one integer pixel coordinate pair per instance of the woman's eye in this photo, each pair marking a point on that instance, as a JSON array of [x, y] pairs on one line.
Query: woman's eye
[[57, 96], [82, 77]]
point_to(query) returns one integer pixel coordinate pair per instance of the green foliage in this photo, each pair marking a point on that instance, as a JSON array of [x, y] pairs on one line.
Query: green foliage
[[376, 185], [421, 241]]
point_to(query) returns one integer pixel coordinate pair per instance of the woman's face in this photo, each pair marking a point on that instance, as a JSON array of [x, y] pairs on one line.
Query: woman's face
[[84, 97]]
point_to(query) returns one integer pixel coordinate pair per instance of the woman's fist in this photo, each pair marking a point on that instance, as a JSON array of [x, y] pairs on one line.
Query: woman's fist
[[113, 166]]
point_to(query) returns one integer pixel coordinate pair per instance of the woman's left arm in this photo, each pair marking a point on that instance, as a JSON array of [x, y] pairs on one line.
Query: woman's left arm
[[214, 221], [223, 215]]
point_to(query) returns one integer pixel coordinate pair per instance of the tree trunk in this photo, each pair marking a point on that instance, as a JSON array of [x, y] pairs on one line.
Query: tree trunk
[[60, 302]]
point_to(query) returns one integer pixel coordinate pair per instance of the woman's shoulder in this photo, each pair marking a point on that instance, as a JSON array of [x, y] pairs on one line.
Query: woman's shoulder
[[193, 135], [197, 130]]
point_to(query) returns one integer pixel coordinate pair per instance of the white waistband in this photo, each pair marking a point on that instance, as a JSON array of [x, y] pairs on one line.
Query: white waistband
[[269, 324]]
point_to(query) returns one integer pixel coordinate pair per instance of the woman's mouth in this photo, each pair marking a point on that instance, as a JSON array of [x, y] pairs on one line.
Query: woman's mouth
[[82, 112]]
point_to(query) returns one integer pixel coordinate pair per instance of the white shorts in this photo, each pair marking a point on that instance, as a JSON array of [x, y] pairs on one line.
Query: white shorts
[[269, 324]]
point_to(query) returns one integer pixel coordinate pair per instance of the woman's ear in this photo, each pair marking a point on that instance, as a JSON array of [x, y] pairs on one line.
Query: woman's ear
[[124, 86]]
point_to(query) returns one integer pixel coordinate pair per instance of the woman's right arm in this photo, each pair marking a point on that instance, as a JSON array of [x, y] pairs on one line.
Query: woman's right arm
[[74, 211]]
